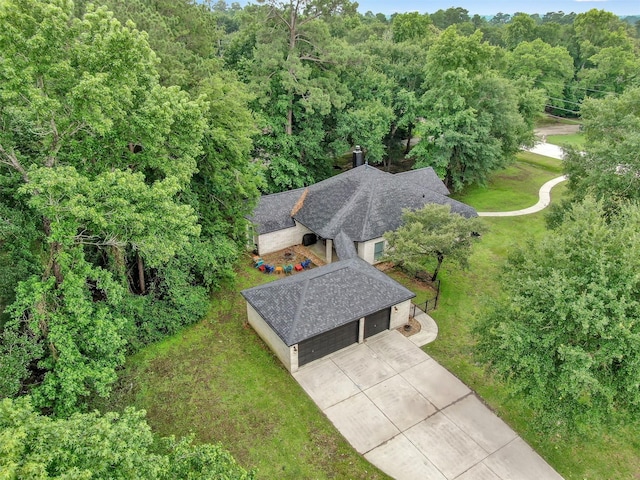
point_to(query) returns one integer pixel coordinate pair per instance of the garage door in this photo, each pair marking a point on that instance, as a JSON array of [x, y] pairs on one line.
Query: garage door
[[377, 322], [328, 342]]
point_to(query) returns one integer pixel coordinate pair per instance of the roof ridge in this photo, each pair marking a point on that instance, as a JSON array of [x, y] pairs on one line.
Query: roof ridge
[[301, 300], [366, 215], [339, 215]]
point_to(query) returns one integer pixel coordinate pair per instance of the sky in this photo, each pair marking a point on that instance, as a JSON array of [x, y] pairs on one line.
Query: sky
[[619, 7]]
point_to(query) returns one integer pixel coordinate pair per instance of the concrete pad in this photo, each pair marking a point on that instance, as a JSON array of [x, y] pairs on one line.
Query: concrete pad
[[361, 423], [436, 383], [519, 461], [398, 351], [400, 459], [325, 383], [428, 330], [363, 366], [480, 423], [451, 450], [400, 402], [479, 472]]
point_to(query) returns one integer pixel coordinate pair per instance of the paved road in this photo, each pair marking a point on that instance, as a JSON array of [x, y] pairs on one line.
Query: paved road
[[412, 418]]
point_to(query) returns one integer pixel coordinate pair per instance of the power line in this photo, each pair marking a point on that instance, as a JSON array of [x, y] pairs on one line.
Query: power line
[[564, 109], [565, 101]]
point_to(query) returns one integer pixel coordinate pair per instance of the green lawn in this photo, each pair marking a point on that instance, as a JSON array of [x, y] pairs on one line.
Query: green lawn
[[575, 140], [515, 187], [219, 381], [609, 453]]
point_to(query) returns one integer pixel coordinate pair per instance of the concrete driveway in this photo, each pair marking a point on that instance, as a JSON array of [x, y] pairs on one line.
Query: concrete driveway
[[412, 418]]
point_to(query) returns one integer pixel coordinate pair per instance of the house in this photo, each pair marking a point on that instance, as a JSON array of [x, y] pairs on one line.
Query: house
[[315, 313], [363, 203]]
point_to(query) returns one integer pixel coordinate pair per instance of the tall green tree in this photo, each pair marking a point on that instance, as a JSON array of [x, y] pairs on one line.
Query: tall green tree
[[566, 334], [609, 168], [549, 68], [431, 233], [97, 155], [293, 67], [475, 121]]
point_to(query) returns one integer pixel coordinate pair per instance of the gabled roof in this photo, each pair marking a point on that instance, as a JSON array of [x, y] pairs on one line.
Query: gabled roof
[[363, 202], [318, 300], [426, 177], [273, 212]]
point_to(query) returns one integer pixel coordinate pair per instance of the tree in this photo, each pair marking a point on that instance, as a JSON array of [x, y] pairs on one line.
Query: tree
[[549, 68], [451, 16], [610, 168], [595, 30], [96, 155], [100, 447], [521, 28], [410, 26], [293, 67], [432, 232], [566, 334], [475, 121]]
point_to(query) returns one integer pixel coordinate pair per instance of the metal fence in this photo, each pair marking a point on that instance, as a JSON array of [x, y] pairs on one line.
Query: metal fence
[[430, 304]]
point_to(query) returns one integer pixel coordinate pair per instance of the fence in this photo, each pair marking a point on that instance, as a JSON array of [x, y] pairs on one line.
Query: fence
[[429, 304]]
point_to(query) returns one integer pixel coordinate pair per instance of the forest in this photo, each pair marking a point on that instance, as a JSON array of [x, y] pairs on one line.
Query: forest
[[136, 136]]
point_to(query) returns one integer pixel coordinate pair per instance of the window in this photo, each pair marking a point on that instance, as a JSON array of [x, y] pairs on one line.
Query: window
[[378, 251]]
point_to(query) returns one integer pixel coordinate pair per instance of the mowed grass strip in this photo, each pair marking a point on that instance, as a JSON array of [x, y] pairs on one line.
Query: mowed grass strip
[[605, 453], [219, 381], [575, 140], [515, 187]]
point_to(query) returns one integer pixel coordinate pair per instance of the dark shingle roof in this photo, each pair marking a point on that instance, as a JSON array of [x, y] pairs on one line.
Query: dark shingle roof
[[426, 177], [366, 202], [273, 212], [344, 247], [363, 202], [318, 300]]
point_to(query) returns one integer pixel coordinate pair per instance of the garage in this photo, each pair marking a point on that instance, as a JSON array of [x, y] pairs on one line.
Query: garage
[[309, 315], [328, 342], [377, 322]]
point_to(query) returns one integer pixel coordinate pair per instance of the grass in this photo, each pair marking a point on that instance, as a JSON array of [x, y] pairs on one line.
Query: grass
[[219, 381], [575, 140], [548, 120], [515, 187], [606, 453]]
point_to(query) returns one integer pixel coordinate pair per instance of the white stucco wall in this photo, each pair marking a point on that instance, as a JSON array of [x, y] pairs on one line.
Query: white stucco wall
[[280, 239], [366, 250], [400, 314], [275, 343]]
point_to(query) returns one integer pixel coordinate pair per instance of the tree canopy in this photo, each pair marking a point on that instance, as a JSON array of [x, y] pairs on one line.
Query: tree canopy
[[431, 233], [117, 241], [94, 446], [609, 168], [566, 334]]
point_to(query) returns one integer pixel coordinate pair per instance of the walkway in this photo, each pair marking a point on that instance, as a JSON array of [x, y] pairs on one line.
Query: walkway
[[412, 418], [548, 150], [543, 202]]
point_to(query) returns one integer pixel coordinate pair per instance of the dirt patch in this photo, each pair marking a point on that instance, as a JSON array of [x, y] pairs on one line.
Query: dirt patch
[[561, 129], [288, 256], [410, 328]]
